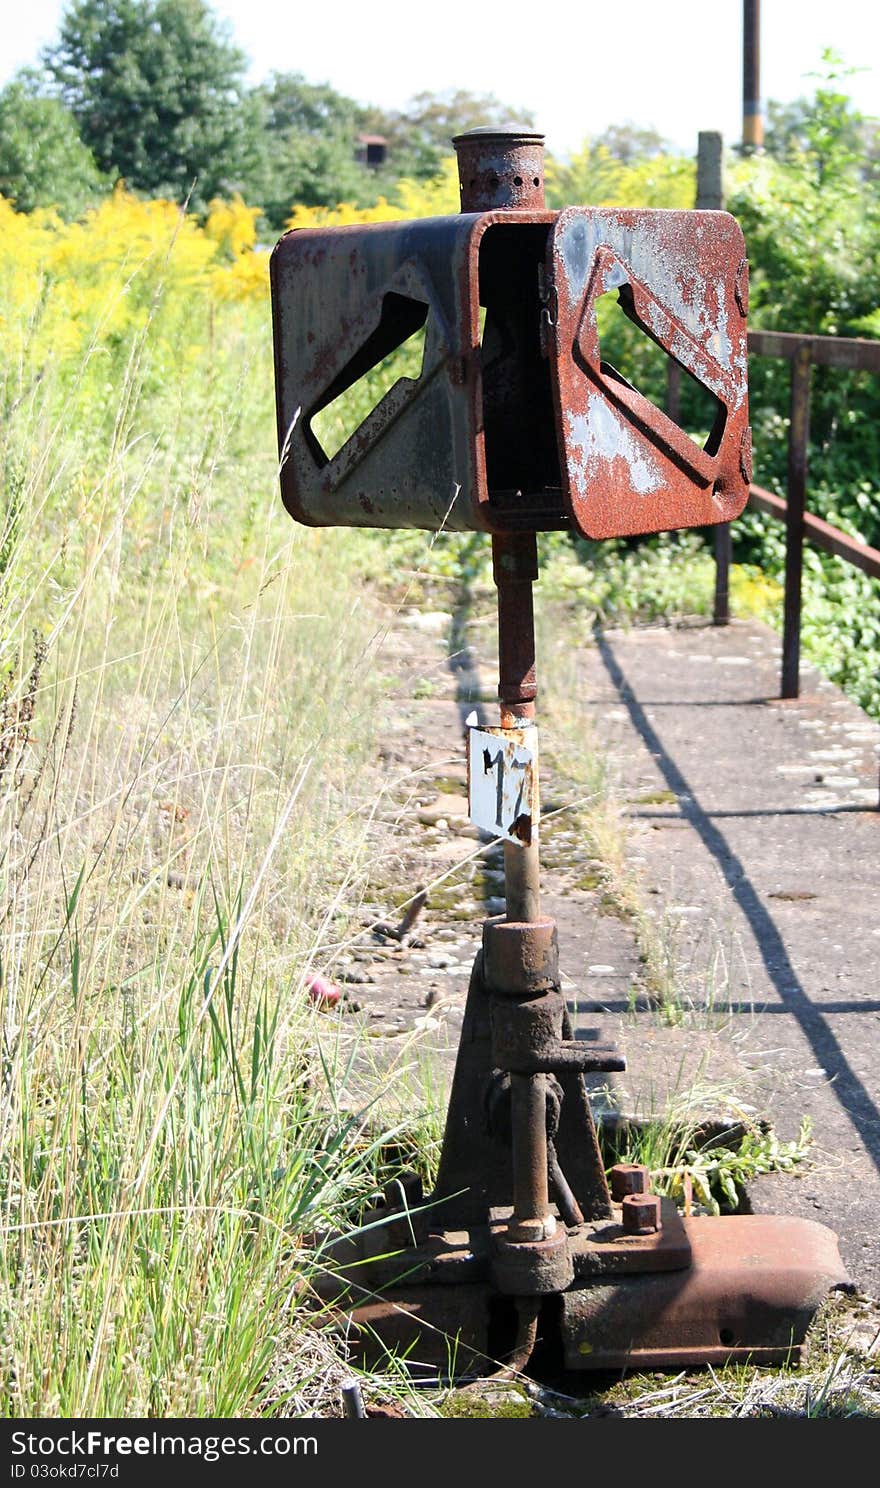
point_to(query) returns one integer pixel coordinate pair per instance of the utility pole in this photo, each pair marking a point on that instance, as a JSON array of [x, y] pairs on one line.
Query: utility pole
[[753, 118]]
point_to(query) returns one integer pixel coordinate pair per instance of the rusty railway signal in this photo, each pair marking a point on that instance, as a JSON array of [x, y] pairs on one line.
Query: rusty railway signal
[[517, 424], [520, 426]]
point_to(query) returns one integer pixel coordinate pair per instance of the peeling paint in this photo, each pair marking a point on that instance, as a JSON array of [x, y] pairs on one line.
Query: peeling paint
[[601, 434], [629, 467]]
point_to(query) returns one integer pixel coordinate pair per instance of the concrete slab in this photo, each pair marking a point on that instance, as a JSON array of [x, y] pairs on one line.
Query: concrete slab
[[770, 849]]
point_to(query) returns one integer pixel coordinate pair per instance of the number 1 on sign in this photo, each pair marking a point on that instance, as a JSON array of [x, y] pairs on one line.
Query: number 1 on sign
[[499, 763]]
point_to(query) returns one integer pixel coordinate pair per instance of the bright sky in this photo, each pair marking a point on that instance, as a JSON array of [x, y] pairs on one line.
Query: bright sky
[[577, 66]]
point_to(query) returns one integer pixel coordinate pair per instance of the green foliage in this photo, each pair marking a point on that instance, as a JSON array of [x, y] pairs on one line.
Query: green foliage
[[827, 127], [632, 142], [618, 580], [339, 420], [607, 172], [812, 225], [43, 161], [173, 1129], [813, 244], [719, 1173], [472, 1405], [811, 218], [714, 1173], [156, 89], [306, 135]]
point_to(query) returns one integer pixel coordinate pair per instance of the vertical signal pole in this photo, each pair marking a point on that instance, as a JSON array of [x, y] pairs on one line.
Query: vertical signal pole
[[498, 170], [753, 118], [504, 170]]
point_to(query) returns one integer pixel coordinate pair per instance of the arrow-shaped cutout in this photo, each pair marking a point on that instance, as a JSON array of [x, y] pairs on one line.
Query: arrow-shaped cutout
[[613, 294]]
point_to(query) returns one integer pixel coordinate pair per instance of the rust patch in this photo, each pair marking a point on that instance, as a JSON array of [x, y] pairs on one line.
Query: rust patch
[[522, 828]]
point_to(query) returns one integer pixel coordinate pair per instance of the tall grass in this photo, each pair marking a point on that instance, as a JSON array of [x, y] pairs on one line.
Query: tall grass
[[182, 836]]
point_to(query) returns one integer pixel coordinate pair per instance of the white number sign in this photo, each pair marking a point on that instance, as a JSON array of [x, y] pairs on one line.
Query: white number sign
[[503, 781]]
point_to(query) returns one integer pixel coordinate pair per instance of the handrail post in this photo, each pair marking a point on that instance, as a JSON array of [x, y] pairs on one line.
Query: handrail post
[[723, 550], [710, 198], [798, 441]]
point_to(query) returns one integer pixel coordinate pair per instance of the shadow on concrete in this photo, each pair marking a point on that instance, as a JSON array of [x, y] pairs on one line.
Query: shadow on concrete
[[722, 1007], [846, 1085], [851, 809]]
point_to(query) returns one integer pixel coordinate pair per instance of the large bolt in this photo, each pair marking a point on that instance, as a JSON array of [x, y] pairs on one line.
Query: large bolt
[[640, 1213], [628, 1178]]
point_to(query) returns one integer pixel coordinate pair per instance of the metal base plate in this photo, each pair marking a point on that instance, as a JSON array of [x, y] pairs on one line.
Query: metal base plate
[[750, 1294], [752, 1289]]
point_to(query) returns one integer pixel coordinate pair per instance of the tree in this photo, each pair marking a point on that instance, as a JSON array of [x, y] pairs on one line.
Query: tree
[[629, 142], [43, 161], [157, 90], [310, 108], [307, 134], [826, 130]]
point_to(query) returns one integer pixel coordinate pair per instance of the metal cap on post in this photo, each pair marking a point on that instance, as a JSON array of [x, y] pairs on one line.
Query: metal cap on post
[[500, 168]]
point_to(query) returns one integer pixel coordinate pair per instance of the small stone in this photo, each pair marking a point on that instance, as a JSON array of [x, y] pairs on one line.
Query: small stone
[[432, 622]]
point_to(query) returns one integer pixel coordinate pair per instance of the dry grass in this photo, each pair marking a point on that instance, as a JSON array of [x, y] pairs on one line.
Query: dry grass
[[187, 707]]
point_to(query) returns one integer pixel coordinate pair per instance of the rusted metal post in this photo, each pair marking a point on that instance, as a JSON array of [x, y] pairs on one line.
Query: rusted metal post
[[753, 118], [515, 568], [710, 198], [798, 441], [501, 169], [506, 170], [531, 1218]]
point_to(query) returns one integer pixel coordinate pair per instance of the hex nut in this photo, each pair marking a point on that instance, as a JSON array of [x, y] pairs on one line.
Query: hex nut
[[628, 1178], [640, 1213], [531, 1231]]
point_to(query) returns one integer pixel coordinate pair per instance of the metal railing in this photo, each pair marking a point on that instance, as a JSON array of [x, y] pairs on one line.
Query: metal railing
[[803, 352]]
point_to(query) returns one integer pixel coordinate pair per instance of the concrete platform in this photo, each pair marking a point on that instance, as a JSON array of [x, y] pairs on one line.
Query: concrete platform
[[766, 855]]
